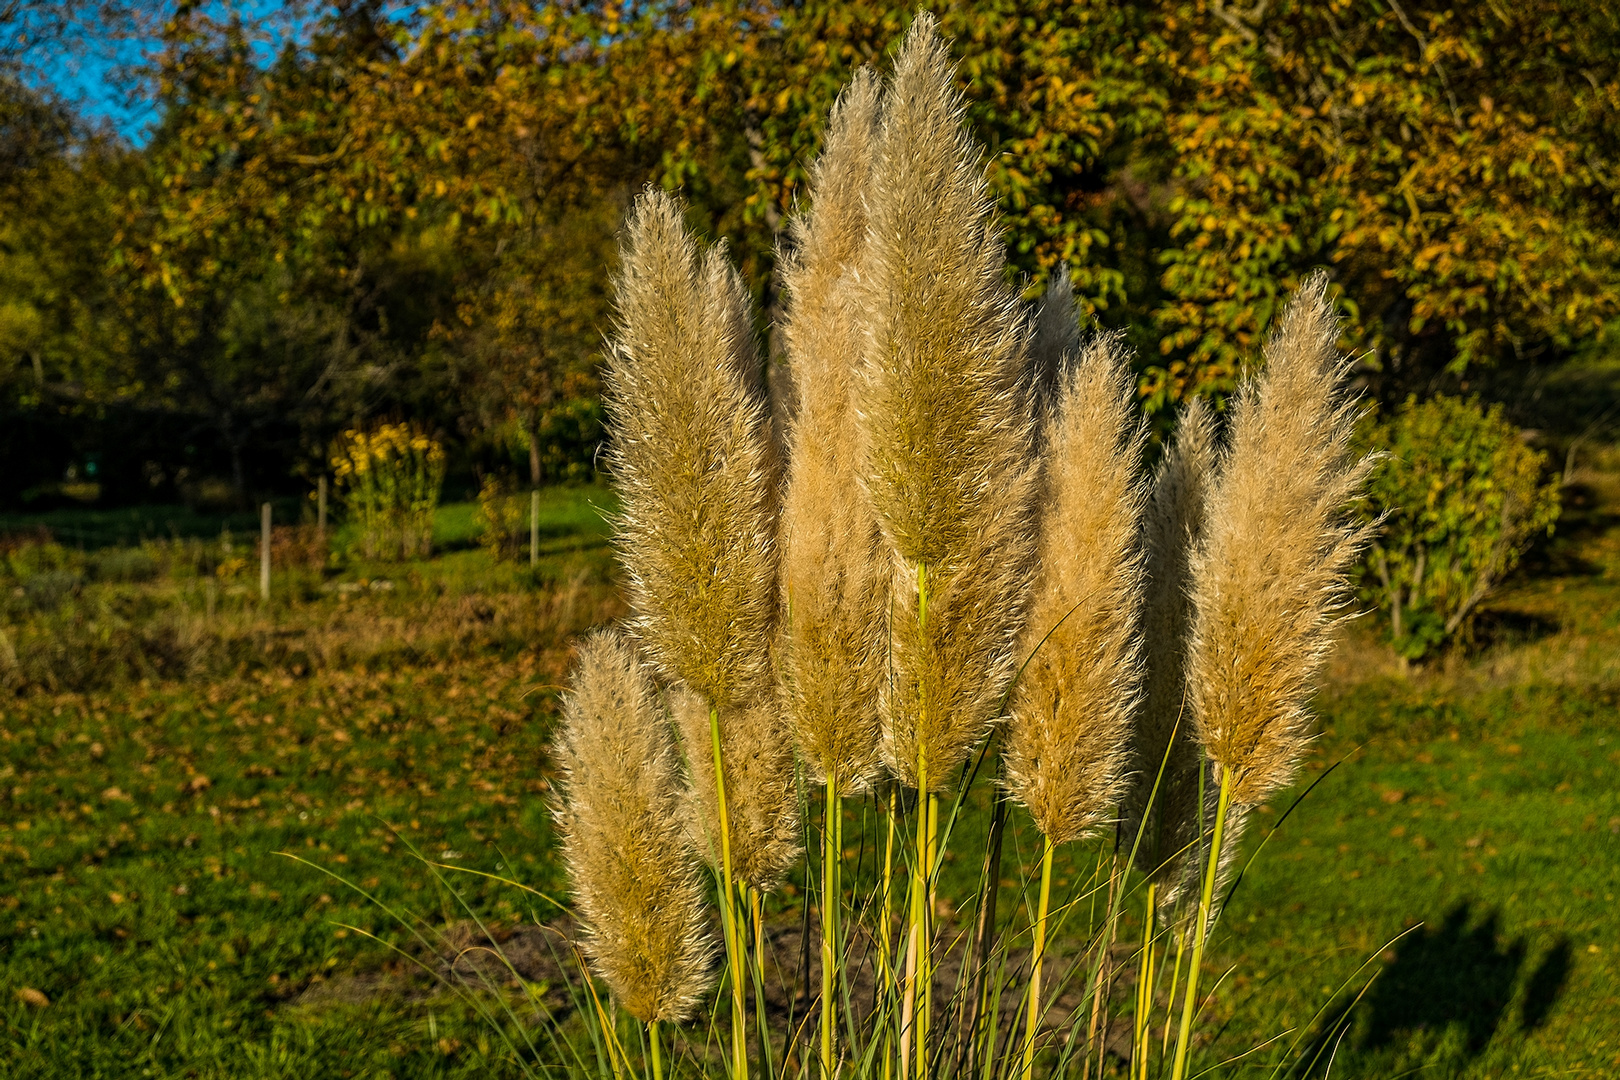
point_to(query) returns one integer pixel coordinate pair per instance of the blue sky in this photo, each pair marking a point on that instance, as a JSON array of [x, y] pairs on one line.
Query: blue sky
[[93, 67]]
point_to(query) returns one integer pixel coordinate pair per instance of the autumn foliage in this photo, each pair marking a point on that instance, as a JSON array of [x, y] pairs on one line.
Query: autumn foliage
[[409, 209]]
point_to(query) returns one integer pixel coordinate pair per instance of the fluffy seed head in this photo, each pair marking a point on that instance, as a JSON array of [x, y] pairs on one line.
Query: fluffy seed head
[[762, 805], [944, 419], [1269, 578], [692, 457], [1068, 736], [637, 882], [1163, 823], [835, 575]]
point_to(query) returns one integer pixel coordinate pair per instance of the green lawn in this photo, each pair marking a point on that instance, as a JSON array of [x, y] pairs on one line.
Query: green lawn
[[146, 899]]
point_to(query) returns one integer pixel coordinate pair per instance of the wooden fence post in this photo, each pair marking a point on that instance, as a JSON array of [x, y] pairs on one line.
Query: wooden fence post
[[264, 553], [534, 527]]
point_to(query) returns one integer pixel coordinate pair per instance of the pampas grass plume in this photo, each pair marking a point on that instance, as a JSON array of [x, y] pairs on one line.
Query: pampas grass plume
[[944, 419], [835, 577], [1270, 577], [693, 461], [637, 883], [762, 802], [1068, 735]]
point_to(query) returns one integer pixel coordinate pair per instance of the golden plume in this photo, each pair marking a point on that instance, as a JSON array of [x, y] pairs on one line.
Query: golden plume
[[944, 420], [692, 457], [762, 803], [638, 885], [1068, 736], [1269, 578], [835, 575]]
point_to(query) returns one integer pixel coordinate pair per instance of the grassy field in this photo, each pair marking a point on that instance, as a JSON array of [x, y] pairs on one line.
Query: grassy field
[[155, 922]]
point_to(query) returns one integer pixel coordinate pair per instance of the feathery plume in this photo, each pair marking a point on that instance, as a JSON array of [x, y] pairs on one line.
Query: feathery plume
[[1068, 737], [1164, 824], [692, 457], [1269, 577], [835, 576], [944, 420], [762, 803], [637, 883]]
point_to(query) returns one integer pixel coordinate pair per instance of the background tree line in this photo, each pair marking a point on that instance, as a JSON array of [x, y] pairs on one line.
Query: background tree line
[[411, 210]]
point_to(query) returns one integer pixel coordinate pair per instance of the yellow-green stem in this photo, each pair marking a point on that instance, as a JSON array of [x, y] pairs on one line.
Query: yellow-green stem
[[1144, 982], [831, 858], [1033, 1019], [1175, 981], [918, 942], [652, 1047], [922, 884], [886, 953], [1201, 931], [733, 929], [926, 950]]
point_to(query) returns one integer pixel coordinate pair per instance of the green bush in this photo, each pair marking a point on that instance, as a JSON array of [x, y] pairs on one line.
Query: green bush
[[1462, 499], [503, 519]]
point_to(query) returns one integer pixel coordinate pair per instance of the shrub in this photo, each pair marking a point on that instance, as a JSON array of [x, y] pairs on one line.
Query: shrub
[[503, 518], [126, 565], [389, 479], [1462, 500]]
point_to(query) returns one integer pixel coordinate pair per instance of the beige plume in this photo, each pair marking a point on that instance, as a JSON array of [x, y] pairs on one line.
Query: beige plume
[[944, 420], [1269, 578], [693, 461], [762, 803], [835, 574], [1068, 736], [638, 885]]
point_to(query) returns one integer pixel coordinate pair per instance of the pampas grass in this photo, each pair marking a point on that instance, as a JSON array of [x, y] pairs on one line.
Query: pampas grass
[[1270, 579], [1054, 343], [762, 804], [1068, 734], [1069, 730], [944, 421], [961, 493], [945, 426], [1270, 576], [835, 576], [637, 882], [691, 456]]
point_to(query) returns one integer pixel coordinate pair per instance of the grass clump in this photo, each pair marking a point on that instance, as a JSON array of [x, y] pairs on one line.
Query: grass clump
[[956, 577]]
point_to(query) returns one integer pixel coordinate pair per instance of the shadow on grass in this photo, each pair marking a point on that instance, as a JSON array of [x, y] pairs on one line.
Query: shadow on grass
[[1440, 1000], [1505, 626], [1458, 974]]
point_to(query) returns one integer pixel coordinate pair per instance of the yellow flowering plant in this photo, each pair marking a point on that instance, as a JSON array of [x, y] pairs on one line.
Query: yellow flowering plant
[[388, 477]]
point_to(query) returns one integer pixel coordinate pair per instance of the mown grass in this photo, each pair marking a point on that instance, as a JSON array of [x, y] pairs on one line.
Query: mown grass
[[142, 893]]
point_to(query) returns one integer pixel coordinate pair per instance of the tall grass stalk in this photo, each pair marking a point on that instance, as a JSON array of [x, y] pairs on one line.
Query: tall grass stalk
[[1201, 927], [735, 958], [1145, 983], [1037, 957], [832, 859]]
